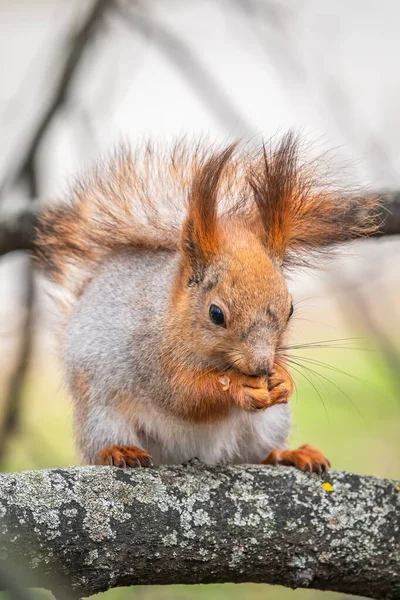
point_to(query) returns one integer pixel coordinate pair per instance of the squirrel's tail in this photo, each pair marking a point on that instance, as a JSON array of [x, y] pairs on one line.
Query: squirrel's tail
[[112, 210], [142, 200]]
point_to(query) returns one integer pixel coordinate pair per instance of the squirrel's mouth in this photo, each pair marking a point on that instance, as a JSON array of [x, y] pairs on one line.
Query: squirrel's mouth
[[248, 373], [261, 366], [259, 373]]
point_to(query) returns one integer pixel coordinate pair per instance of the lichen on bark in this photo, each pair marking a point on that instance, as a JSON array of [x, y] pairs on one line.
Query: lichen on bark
[[92, 528]]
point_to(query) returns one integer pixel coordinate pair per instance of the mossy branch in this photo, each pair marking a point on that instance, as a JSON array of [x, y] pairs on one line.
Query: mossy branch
[[84, 530]]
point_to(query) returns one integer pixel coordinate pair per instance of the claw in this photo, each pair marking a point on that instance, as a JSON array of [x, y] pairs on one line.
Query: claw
[[125, 456], [305, 459]]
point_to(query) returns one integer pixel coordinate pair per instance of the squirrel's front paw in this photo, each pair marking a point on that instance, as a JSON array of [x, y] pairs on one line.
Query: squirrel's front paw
[[125, 456], [256, 394], [280, 385]]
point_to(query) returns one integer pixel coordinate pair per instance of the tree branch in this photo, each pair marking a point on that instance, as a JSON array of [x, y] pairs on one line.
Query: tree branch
[[93, 528], [17, 226], [390, 214]]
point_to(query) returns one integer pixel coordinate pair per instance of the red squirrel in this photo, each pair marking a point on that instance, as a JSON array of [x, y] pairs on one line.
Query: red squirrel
[[175, 268]]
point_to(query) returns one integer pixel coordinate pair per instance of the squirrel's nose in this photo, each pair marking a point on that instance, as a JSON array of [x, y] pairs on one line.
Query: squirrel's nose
[[261, 364]]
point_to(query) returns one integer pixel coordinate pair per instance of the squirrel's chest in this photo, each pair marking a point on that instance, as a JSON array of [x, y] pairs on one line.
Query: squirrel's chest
[[243, 437]]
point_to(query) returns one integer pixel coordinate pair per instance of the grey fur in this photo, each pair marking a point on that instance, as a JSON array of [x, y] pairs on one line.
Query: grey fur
[[113, 336]]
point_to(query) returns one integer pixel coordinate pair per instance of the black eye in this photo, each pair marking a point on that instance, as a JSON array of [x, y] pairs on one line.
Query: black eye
[[216, 315], [291, 311]]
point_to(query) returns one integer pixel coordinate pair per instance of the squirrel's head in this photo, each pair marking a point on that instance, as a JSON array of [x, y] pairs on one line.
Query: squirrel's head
[[238, 305], [231, 297]]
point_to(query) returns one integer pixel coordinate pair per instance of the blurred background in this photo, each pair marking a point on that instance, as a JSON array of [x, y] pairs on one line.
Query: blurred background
[[79, 76]]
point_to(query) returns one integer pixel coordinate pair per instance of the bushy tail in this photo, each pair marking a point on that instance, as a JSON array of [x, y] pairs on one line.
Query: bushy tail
[[111, 211], [141, 201], [302, 211]]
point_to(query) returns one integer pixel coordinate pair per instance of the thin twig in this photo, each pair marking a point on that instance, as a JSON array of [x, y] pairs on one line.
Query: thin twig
[[77, 48]]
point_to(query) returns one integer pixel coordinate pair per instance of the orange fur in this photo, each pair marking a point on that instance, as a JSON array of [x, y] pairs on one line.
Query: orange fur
[[205, 398], [237, 248], [300, 212], [280, 385], [140, 200], [305, 458], [125, 456], [81, 385], [235, 219], [200, 235]]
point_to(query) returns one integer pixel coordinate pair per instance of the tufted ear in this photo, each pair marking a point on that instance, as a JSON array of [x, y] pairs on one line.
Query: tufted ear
[[200, 236], [298, 214]]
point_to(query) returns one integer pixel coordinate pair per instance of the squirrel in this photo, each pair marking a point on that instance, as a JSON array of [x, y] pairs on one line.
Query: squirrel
[[174, 264]]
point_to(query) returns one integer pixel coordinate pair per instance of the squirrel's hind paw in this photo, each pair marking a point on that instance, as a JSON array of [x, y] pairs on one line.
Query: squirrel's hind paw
[[306, 458], [125, 456]]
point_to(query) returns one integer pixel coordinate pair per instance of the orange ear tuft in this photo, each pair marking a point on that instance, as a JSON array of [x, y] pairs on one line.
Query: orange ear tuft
[[200, 237], [300, 214]]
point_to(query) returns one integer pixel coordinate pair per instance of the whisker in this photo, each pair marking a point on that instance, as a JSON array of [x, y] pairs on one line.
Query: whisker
[[313, 321], [312, 384], [318, 345], [319, 363], [312, 373], [307, 299], [321, 342], [335, 385], [354, 405]]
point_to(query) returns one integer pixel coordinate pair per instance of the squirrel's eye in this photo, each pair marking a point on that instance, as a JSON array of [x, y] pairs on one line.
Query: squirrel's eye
[[216, 315], [291, 311]]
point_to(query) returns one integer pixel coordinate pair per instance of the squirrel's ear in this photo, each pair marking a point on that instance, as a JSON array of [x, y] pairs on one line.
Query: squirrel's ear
[[298, 214], [200, 236]]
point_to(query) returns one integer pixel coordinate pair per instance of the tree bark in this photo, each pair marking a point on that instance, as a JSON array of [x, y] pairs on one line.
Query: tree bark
[[17, 228], [390, 214], [84, 530]]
